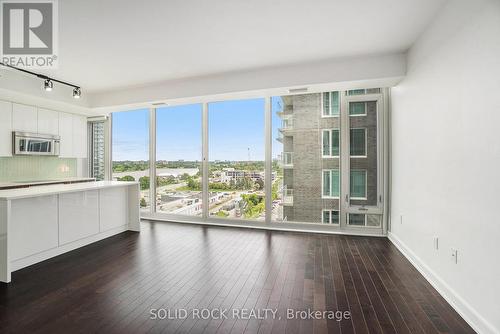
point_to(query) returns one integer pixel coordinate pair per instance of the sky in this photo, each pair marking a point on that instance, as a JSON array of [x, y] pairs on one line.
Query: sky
[[236, 131]]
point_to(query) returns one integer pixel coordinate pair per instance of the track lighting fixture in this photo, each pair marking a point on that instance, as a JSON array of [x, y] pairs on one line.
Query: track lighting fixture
[[77, 92], [48, 84]]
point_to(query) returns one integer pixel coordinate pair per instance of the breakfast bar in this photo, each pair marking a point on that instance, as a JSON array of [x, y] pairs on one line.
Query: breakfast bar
[[38, 223]]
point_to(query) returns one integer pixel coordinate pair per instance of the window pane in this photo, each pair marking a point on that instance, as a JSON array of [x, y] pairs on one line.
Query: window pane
[[373, 220], [356, 219], [363, 143], [358, 142], [130, 149], [335, 104], [326, 217], [335, 186], [97, 151], [335, 217], [326, 143], [363, 91], [335, 143], [326, 104], [357, 108], [358, 184], [178, 160], [236, 159], [356, 92], [326, 183], [308, 183]]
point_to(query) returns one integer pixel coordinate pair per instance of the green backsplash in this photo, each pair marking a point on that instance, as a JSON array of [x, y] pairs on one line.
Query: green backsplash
[[32, 168]]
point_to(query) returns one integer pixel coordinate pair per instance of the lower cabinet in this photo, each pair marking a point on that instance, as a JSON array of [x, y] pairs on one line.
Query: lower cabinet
[[46, 222], [78, 215], [34, 228], [113, 207]]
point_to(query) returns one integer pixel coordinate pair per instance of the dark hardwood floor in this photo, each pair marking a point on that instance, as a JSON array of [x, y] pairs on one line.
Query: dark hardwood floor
[[113, 286]]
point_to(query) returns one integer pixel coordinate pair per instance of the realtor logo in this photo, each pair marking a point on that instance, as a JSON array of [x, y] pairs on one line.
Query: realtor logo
[[29, 33]]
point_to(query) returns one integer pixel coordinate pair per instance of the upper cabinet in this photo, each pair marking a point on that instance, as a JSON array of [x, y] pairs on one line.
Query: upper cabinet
[[24, 118], [48, 122], [79, 136], [5, 129], [66, 134], [19, 117]]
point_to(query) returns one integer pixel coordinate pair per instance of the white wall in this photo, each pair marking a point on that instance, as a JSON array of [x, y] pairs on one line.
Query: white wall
[[446, 158]]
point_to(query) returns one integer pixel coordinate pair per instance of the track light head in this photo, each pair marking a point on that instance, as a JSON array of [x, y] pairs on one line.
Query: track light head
[[48, 85], [77, 92]]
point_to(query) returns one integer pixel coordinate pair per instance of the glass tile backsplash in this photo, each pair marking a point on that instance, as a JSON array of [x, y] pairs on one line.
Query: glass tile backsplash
[[33, 168]]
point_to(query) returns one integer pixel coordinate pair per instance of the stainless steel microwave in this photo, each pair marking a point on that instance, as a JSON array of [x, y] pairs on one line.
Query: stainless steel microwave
[[25, 143]]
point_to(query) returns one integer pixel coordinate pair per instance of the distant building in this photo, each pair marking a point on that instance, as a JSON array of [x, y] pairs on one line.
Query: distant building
[[310, 160], [230, 174]]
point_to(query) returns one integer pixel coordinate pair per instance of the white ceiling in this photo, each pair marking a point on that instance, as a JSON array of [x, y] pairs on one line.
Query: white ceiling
[[106, 45]]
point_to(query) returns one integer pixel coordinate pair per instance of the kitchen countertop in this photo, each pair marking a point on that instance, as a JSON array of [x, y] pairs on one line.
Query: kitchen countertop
[[53, 189], [13, 185]]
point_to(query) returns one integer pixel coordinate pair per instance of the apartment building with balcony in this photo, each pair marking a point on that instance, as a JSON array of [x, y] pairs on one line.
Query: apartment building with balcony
[[310, 160]]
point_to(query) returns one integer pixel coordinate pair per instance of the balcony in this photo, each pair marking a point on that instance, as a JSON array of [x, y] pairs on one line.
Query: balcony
[[287, 196], [287, 160], [286, 124]]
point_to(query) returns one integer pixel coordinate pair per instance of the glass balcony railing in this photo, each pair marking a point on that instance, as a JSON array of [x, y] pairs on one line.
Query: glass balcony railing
[[286, 124]]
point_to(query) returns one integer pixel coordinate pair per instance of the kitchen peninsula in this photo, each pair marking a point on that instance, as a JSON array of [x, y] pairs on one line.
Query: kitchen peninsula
[[38, 223]]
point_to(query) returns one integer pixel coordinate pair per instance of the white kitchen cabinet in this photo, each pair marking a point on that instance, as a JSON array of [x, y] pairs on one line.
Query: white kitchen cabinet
[[78, 215], [5, 129], [48, 122], [79, 136], [35, 227], [66, 134], [24, 118], [113, 210]]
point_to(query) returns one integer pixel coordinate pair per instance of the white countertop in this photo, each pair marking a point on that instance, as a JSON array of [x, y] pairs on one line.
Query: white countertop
[[44, 190], [36, 183]]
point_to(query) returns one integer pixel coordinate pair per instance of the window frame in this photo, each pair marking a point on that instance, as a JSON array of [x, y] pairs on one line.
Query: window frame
[[357, 115], [322, 108], [331, 211], [366, 185], [358, 226], [330, 144], [366, 143], [323, 182], [383, 110]]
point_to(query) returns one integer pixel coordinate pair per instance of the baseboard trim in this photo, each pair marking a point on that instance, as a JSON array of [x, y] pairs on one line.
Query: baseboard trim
[[466, 311]]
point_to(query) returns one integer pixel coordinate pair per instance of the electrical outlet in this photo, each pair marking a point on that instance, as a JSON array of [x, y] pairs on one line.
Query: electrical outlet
[[454, 254], [436, 243]]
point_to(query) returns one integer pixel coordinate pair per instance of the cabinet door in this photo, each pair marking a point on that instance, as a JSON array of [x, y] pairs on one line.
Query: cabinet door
[[24, 118], [113, 208], [48, 122], [34, 226], [66, 134], [5, 129], [79, 136], [78, 215]]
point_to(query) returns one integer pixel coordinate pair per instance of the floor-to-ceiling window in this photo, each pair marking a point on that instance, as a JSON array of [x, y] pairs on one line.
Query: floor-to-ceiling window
[[325, 159], [363, 116], [97, 164], [130, 150], [326, 155], [306, 157], [178, 160], [236, 159]]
